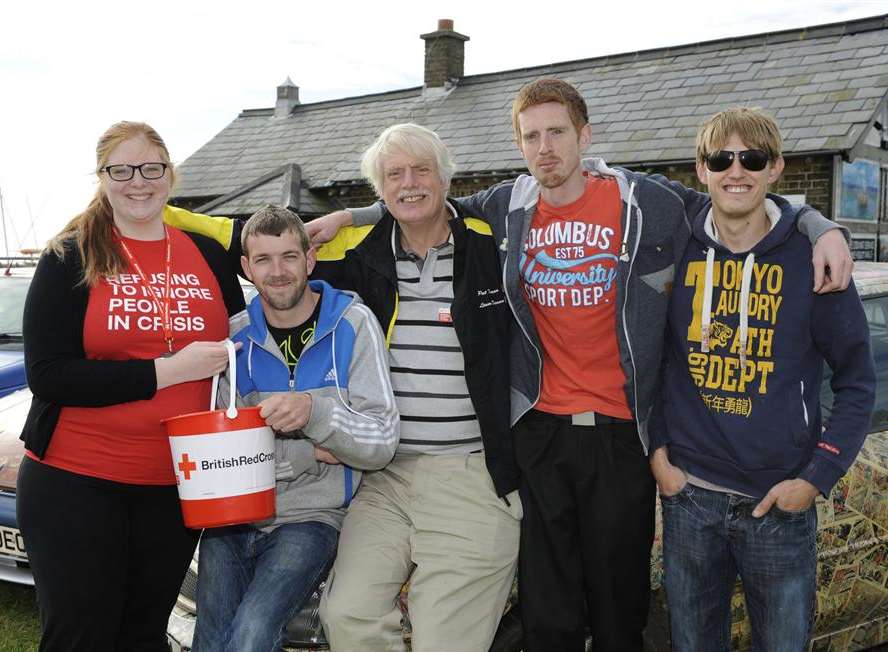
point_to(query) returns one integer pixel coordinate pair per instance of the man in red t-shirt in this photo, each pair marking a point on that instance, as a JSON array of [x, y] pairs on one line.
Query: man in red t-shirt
[[588, 254], [590, 526]]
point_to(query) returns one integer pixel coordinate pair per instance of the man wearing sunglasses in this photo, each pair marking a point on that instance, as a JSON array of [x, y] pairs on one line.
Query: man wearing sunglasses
[[740, 454]]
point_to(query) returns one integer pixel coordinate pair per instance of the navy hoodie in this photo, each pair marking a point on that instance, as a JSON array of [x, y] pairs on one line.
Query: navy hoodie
[[746, 418]]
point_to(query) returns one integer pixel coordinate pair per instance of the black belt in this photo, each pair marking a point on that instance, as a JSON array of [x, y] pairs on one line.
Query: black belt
[[589, 418]]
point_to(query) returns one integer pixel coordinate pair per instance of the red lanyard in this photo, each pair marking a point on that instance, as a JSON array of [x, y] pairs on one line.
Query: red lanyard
[[162, 308]]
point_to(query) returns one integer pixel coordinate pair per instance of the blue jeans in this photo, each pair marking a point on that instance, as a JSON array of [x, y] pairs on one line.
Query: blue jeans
[[251, 583], [710, 537]]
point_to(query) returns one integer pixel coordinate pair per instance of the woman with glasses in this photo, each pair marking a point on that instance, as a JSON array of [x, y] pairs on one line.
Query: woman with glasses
[[123, 326]]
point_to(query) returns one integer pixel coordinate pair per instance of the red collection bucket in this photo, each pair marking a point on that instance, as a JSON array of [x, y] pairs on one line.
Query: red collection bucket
[[224, 462]]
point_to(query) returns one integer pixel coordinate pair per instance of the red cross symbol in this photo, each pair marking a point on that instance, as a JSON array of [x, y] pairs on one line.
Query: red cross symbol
[[186, 466]]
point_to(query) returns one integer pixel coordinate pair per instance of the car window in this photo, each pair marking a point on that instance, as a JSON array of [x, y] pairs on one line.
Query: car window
[[876, 310], [12, 304]]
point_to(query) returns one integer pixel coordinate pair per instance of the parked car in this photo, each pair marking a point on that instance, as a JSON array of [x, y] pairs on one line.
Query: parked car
[[852, 596], [14, 282], [13, 558]]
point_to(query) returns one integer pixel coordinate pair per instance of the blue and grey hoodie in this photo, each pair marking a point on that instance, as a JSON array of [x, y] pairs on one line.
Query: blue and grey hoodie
[[353, 415], [745, 350]]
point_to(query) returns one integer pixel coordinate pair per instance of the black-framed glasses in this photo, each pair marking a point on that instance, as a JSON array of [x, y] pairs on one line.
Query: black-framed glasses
[[125, 172], [753, 160]]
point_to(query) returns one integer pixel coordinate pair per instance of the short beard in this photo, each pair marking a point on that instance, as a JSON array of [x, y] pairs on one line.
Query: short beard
[[552, 180], [286, 303]]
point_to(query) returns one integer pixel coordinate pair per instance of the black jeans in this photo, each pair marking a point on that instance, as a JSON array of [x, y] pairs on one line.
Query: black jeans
[[588, 497], [108, 558]]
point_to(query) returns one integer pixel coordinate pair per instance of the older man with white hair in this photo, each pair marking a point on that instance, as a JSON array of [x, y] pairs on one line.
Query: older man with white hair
[[444, 512]]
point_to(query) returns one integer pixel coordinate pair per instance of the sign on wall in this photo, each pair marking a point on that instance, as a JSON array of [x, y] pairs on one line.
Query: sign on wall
[[863, 247], [859, 198]]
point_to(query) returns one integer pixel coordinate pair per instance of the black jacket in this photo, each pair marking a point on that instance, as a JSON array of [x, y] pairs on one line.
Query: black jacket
[[480, 315], [58, 371]]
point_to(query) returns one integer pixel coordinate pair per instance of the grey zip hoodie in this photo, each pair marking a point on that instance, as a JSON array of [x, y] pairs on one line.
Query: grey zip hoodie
[[353, 414]]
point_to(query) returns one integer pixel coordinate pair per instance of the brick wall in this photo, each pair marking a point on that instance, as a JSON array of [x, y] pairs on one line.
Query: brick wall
[[813, 176], [444, 61], [362, 194], [808, 175]]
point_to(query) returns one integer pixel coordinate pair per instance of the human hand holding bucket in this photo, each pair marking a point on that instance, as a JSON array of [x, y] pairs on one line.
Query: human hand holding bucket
[[224, 461], [231, 411]]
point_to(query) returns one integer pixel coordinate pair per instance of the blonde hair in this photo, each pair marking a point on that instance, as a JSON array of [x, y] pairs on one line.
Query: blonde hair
[[411, 139], [92, 230], [754, 127]]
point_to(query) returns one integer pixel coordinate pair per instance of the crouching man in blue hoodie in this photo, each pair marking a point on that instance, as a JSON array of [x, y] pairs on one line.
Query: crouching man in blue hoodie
[[313, 358], [741, 452]]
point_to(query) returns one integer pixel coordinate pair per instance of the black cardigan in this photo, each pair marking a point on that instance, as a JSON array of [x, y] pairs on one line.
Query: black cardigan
[[59, 374], [481, 319]]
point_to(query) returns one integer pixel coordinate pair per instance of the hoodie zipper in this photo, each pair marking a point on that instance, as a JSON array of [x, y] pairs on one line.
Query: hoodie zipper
[[314, 340], [515, 312], [638, 218], [804, 407]]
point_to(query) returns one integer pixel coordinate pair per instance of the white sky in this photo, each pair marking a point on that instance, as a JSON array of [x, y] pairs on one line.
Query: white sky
[[68, 70]]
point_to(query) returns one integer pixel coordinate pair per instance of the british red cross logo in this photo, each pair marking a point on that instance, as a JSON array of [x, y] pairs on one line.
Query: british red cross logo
[[186, 466]]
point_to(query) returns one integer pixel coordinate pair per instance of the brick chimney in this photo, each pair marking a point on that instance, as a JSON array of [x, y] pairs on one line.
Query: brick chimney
[[444, 55], [287, 98]]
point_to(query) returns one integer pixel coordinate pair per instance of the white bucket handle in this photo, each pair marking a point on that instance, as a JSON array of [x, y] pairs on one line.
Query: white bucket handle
[[231, 412]]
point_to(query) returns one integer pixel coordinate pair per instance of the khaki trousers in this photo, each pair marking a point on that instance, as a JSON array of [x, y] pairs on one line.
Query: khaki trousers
[[439, 518]]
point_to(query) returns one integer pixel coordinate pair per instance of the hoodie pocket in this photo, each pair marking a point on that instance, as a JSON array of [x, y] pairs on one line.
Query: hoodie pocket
[[797, 417]]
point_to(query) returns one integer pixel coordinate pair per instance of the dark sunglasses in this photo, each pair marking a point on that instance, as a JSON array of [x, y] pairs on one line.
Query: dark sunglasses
[[753, 160]]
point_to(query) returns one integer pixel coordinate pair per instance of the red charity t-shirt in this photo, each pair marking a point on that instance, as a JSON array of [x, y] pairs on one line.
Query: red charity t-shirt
[[569, 270], [126, 442]]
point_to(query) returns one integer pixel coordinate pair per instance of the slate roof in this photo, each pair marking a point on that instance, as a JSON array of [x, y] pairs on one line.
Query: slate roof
[[282, 186], [823, 84]]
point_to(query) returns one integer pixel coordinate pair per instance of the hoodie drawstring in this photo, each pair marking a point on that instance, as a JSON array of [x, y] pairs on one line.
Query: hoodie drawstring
[[742, 307], [624, 250], [707, 301]]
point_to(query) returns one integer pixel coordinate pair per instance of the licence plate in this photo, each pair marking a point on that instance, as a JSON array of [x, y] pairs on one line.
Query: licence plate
[[11, 542]]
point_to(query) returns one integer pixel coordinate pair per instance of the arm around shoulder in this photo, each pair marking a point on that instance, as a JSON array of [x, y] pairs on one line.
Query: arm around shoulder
[[832, 257], [490, 205], [692, 199], [224, 230]]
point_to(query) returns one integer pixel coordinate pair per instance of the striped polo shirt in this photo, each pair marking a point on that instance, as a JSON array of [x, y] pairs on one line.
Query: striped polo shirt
[[428, 371]]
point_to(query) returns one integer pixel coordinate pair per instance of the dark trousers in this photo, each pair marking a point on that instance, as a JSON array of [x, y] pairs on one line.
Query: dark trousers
[[588, 497], [108, 558]]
